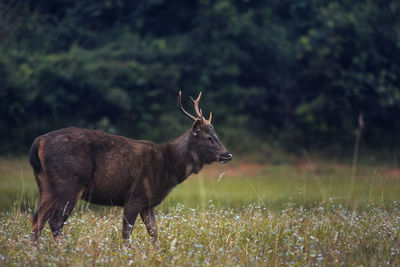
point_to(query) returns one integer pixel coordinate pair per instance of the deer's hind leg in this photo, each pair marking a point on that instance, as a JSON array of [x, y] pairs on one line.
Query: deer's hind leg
[[45, 208], [66, 201]]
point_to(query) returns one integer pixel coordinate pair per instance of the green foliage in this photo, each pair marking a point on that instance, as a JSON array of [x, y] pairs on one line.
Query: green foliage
[[295, 73]]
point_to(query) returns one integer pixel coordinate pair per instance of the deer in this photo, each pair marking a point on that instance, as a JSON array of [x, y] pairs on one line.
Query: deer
[[74, 163]]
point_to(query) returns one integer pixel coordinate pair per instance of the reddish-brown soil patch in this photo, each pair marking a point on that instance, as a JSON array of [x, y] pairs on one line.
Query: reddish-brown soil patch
[[393, 173], [307, 166]]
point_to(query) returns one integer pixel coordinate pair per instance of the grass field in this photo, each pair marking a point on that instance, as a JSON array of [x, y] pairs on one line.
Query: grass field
[[307, 213]]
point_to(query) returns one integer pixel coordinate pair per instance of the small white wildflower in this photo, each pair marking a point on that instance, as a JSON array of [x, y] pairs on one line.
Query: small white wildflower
[[172, 247], [220, 176]]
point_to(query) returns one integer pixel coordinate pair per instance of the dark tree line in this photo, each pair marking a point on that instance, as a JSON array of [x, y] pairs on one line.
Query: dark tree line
[[294, 73]]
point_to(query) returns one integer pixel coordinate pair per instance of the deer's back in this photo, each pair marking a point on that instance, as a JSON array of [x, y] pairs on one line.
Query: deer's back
[[106, 166]]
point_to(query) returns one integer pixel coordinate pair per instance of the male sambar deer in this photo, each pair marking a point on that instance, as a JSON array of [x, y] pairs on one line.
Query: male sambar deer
[[106, 169]]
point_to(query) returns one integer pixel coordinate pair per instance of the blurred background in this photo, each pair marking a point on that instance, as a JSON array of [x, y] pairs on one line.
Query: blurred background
[[292, 75], [283, 77]]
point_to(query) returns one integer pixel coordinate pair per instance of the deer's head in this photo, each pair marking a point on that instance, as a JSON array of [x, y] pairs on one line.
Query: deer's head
[[203, 139]]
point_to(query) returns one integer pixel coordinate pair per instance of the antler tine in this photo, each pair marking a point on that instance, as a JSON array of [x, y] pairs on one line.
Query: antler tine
[[204, 120], [209, 119], [196, 106], [201, 116], [182, 109]]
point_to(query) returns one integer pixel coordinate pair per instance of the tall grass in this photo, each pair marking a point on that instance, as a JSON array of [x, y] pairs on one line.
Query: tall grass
[[322, 235], [300, 214]]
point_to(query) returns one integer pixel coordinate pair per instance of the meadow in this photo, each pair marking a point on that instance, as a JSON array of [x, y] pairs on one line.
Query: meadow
[[313, 213]]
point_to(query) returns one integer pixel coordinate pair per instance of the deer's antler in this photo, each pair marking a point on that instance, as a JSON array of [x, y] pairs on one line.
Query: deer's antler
[[187, 114], [198, 110]]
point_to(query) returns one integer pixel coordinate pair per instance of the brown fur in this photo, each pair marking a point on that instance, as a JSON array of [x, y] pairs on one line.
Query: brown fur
[[74, 163]]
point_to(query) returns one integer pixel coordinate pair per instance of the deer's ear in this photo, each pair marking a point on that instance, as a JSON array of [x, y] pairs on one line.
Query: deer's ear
[[196, 127]]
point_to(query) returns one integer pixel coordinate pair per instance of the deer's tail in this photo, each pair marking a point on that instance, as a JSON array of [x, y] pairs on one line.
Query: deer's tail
[[34, 156]]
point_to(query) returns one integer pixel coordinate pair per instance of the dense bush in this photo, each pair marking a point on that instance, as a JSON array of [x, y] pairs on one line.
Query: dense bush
[[295, 73]]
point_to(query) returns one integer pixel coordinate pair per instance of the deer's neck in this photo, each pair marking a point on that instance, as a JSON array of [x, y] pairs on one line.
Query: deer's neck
[[182, 159]]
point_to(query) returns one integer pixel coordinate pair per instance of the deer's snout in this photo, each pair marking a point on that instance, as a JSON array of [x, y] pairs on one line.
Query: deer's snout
[[225, 157]]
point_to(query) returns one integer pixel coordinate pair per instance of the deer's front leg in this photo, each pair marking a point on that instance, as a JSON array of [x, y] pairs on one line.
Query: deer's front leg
[[131, 212], [149, 220]]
